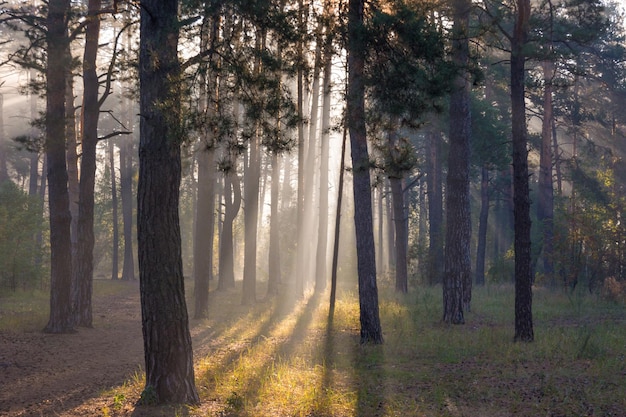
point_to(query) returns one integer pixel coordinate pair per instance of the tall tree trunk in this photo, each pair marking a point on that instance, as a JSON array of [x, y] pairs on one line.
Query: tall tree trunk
[[321, 257], [232, 203], [59, 206], [391, 234], [435, 208], [482, 227], [72, 157], [335, 261], [126, 191], [83, 264], [274, 271], [366, 256], [126, 188], [457, 269], [523, 279], [251, 201], [545, 200], [300, 254], [165, 324], [399, 220], [205, 206], [114, 204]]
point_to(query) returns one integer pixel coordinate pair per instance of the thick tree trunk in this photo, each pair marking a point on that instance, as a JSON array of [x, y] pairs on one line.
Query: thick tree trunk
[[83, 265], [457, 275], [366, 256], [60, 244], [167, 342], [523, 279], [72, 158], [482, 227]]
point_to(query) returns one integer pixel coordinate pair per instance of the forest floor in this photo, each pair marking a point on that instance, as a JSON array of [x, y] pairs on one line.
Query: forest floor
[[280, 358], [47, 375]]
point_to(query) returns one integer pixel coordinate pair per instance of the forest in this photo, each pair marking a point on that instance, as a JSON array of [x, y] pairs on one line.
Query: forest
[[312, 208]]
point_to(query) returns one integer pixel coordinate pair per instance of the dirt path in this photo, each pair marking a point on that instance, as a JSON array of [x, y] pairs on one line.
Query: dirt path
[[53, 375]]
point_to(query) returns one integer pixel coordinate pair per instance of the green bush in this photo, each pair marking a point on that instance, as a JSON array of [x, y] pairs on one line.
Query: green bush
[[20, 255]]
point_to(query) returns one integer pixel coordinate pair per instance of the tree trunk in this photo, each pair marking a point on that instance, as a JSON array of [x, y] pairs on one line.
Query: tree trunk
[[167, 342], [482, 227], [126, 191], [72, 158], [457, 276], [321, 257], [523, 279], [399, 221], [116, 235], [435, 208], [545, 200], [204, 232], [83, 264], [274, 272], [366, 256], [59, 206], [232, 203]]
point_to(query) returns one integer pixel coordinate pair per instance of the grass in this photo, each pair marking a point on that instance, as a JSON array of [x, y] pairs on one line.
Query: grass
[[281, 358]]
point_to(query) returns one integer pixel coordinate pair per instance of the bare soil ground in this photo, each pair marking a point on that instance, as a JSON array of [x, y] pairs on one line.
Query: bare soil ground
[[57, 375]]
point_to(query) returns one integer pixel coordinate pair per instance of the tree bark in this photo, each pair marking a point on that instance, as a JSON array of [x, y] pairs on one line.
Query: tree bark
[[523, 279], [274, 267], [457, 268], [435, 208], [83, 264], [114, 204], [60, 244], [545, 200], [232, 203], [321, 257], [371, 331], [165, 324], [399, 221], [482, 227]]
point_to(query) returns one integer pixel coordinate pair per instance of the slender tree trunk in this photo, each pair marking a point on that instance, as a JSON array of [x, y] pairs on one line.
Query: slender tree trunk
[[391, 234], [232, 203], [335, 261], [165, 324], [399, 220], [83, 265], [126, 191], [482, 227], [435, 208], [321, 267], [274, 266], [59, 206], [545, 200], [72, 158], [116, 234], [371, 331], [205, 205], [523, 279], [457, 276]]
